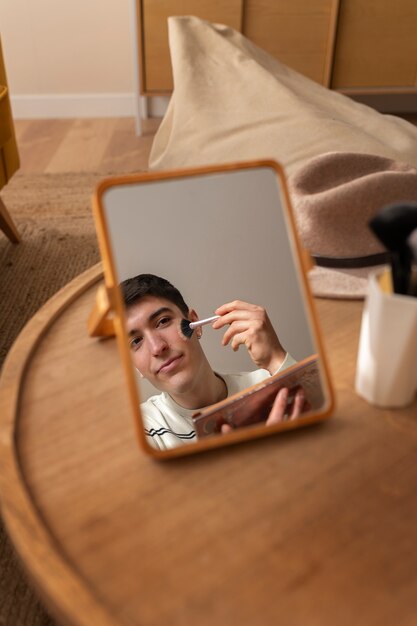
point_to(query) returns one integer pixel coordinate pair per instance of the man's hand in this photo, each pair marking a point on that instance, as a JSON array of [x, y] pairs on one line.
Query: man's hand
[[281, 411], [249, 325]]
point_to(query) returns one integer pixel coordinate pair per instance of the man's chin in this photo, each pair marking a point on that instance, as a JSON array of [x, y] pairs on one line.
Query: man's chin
[[176, 384], [176, 391]]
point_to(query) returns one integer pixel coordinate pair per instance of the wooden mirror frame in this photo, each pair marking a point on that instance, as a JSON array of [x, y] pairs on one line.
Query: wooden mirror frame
[[107, 318]]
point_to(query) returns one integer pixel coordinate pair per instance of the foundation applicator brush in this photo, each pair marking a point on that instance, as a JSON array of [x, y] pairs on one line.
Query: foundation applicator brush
[[187, 327], [412, 246], [392, 225]]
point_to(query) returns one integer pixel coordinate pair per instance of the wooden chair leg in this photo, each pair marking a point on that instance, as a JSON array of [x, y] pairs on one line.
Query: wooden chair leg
[[7, 224]]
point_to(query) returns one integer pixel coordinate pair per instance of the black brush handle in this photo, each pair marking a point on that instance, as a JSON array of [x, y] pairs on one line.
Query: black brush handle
[[412, 247], [401, 272], [392, 225]]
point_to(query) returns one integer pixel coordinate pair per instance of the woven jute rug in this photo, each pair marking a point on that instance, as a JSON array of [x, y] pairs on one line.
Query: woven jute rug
[[53, 215]]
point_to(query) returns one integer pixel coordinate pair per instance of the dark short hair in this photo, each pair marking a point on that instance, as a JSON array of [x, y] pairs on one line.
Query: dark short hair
[[135, 288]]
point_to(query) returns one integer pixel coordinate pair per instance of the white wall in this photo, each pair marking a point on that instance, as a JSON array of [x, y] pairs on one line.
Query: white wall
[[69, 59], [244, 254]]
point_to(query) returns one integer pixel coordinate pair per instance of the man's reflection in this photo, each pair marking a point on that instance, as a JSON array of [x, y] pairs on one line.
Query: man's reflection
[[178, 366]]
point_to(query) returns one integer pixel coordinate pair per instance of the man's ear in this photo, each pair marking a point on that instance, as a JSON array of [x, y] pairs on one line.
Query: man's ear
[[192, 315]]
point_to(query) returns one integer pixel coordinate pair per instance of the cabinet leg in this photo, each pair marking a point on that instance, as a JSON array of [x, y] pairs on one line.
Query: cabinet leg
[[141, 113]]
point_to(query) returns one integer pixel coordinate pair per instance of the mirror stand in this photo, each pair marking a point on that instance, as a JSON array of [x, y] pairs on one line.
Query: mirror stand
[[101, 322]]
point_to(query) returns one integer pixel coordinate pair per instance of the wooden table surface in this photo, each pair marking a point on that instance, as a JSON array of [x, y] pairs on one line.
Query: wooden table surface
[[312, 527]]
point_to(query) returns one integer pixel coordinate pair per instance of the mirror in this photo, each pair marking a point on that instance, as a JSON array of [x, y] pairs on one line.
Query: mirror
[[224, 238]]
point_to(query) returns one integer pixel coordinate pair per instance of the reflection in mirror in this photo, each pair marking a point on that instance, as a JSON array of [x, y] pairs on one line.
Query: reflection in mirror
[[218, 320]]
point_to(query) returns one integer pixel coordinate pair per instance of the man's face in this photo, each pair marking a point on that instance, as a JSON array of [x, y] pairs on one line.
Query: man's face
[[159, 351]]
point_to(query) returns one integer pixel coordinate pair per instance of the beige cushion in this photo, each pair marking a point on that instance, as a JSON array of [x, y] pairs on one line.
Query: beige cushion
[[232, 101]]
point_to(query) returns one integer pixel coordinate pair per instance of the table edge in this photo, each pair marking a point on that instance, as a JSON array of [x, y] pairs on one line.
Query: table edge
[[59, 585]]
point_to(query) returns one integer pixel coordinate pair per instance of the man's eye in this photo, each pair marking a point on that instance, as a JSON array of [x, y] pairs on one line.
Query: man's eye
[[135, 343], [163, 321]]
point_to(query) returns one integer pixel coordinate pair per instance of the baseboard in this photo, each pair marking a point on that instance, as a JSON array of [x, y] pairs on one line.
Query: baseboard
[[73, 105], [51, 106], [395, 103], [157, 105]]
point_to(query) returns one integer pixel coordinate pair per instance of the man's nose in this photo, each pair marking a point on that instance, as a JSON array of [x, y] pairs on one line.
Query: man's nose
[[157, 344]]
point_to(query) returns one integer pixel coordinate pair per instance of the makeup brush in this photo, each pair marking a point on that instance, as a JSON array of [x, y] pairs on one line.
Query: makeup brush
[[412, 246], [187, 327], [392, 225]]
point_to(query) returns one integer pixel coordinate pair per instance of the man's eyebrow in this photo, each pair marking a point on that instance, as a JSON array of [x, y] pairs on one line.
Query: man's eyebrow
[[157, 313]]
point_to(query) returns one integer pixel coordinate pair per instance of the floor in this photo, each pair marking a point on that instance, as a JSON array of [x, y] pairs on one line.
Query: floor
[[107, 145]]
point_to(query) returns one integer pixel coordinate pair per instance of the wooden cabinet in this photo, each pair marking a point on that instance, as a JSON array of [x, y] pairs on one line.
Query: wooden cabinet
[[300, 33], [357, 45], [156, 76], [376, 45]]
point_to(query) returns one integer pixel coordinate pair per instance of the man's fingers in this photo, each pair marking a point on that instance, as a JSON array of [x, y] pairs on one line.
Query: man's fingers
[[239, 339], [238, 328], [298, 404], [280, 407], [235, 305], [238, 311], [232, 317], [277, 412]]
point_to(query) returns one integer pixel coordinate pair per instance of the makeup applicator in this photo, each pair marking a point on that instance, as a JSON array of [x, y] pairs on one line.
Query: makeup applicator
[[187, 327], [392, 225], [412, 246]]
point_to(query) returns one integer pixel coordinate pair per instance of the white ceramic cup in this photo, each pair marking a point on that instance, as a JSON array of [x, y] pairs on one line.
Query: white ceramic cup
[[386, 371]]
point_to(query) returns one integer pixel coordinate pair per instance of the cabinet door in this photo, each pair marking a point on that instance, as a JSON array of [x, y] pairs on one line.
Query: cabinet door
[[376, 45], [156, 63], [299, 33]]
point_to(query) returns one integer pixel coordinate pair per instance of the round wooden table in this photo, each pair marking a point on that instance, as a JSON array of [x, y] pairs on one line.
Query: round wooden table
[[315, 526]]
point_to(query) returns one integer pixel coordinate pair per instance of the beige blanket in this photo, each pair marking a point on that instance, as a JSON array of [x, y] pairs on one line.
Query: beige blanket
[[232, 101]]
